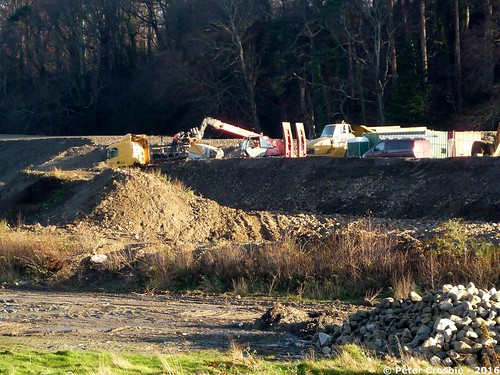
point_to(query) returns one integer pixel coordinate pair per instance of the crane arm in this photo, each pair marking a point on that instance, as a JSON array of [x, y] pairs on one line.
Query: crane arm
[[224, 127]]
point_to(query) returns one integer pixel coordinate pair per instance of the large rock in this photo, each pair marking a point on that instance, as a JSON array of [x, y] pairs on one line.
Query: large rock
[[415, 297], [444, 323]]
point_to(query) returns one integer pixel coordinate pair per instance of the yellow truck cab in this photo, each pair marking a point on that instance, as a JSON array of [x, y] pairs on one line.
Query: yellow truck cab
[[132, 149], [333, 139]]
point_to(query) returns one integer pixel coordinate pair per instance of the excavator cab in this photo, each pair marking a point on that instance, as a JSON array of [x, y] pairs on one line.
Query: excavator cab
[[332, 142], [259, 146], [132, 149]]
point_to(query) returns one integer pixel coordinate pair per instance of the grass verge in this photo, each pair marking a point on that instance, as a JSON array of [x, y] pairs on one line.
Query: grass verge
[[349, 360]]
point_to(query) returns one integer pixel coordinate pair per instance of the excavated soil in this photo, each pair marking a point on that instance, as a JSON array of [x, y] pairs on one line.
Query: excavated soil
[[63, 182], [62, 185]]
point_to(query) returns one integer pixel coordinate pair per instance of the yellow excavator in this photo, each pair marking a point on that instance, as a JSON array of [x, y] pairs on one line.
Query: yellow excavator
[[135, 150], [334, 139]]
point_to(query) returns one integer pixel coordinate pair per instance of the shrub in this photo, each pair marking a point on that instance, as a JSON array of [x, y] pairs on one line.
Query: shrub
[[454, 256]]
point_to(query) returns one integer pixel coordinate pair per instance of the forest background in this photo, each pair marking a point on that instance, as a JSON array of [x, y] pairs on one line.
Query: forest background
[[75, 67]]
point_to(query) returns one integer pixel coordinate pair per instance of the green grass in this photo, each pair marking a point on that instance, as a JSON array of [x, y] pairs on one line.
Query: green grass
[[350, 360], [24, 361]]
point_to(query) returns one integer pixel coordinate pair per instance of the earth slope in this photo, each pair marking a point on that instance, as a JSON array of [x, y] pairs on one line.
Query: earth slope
[[64, 182]]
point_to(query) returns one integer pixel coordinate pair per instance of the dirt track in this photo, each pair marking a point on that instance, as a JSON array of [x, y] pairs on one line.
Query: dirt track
[[149, 324]]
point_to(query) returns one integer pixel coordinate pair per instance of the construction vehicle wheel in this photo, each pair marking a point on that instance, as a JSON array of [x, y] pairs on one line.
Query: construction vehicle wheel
[[481, 147]]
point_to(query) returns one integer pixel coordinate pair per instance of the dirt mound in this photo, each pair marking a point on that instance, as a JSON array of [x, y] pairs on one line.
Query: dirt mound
[[434, 189], [139, 204], [145, 203], [63, 181], [288, 318]]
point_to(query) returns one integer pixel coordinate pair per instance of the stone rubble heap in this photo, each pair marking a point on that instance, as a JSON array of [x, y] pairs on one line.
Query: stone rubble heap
[[452, 326]]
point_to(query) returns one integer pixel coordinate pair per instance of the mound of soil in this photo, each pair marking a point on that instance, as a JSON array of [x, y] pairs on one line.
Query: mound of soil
[[64, 182], [465, 188], [143, 205], [304, 323]]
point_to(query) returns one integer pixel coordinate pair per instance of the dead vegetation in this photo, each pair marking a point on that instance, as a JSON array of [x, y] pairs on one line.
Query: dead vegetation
[[33, 257], [347, 264]]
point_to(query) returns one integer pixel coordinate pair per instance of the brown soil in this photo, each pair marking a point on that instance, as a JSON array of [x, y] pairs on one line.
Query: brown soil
[[61, 184], [157, 324], [242, 200]]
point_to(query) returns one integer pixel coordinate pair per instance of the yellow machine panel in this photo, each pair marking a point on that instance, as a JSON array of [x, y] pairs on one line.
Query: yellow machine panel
[[132, 149]]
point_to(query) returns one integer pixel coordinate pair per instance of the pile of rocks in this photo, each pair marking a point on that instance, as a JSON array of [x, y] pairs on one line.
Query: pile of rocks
[[451, 326]]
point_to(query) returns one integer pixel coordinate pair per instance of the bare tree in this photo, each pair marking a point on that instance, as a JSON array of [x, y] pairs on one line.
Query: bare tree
[[375, 49], [392, 41], [423, 39], [233, 40], [458, 58]]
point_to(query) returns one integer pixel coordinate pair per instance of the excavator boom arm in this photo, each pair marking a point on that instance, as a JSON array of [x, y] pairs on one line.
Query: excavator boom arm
[[224, 127]]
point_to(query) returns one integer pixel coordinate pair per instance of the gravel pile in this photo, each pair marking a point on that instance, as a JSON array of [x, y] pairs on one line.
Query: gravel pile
[[450, 326]]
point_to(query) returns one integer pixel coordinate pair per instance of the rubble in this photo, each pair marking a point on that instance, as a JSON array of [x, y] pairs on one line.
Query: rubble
[[453, 325]]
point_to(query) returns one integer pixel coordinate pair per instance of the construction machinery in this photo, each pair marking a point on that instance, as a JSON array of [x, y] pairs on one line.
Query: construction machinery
[[256, 144], [135, 150], [487, 148], [337, 139], [333, 139]]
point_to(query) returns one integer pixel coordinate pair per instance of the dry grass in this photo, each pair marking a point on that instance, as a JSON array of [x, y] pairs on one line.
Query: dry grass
[[361, 258], [344, 265], [361, 261], [35, 256], [402, 285], [167, 267]]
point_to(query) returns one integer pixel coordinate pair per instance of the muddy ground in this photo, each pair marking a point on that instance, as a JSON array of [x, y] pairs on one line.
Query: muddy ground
[[61, 185], [156, 324]]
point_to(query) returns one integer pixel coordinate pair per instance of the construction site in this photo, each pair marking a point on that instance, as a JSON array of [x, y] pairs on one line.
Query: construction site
[[64, 186]]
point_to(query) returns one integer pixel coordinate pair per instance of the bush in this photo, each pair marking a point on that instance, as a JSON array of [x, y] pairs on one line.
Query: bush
[[456, 257]]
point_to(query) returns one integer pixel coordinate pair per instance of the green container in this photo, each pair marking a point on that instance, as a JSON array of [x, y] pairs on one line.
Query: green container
[[373, 138], [357, 146]]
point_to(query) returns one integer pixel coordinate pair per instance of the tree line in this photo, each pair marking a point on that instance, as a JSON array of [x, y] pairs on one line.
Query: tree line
[[158, 66]]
